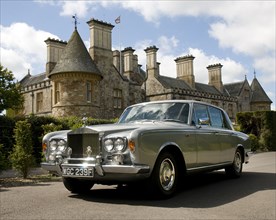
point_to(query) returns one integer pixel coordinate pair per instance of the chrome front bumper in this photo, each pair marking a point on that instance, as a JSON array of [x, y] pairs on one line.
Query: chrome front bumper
[[108, 172], [52, 168]]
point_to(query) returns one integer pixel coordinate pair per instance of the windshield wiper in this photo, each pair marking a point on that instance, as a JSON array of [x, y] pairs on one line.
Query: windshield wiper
[[172, 120]]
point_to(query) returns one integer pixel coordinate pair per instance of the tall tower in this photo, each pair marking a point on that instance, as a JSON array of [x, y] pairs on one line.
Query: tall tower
[[75, 81]]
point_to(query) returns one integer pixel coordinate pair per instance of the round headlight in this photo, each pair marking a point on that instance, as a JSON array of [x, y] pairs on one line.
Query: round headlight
[[61, 145], [119, 144], [108, 145], [53, 145]]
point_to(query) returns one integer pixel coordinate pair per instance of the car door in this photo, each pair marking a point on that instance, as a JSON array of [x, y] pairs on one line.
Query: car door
[[207, 140], [225, 134]]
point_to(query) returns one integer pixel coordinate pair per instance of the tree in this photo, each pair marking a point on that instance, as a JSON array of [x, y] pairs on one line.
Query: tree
[[10, 96], [21, 157]]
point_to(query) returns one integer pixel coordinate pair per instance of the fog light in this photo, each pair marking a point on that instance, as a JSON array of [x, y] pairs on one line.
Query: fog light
[[118, 159], [52, 157]]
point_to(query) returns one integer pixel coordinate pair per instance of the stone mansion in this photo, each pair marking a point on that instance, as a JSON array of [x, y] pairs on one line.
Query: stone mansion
[[90, 83]]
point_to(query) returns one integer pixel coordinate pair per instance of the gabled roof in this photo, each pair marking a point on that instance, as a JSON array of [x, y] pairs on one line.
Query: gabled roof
[[234, 89], [169, 82], [258, 93], [206, 88], [31, 80], [75, 58], [174, 83]]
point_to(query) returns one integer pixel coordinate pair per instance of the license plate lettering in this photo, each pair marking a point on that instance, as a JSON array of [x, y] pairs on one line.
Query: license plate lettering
[[74, 171]]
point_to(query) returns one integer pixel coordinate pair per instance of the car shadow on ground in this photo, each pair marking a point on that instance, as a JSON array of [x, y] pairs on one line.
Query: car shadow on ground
[[199, 191]]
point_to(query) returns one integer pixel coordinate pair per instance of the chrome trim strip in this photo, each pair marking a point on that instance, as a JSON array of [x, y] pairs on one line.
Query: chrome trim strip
[[209, 166], [52, 167], [122, 169]]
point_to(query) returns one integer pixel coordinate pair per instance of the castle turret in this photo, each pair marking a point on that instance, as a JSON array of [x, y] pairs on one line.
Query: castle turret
[[259, 99], [185, 69], [75, 80]]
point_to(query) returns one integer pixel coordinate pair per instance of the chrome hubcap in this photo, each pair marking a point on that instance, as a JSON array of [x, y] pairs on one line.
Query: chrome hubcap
[[167, 174], [237, 162]]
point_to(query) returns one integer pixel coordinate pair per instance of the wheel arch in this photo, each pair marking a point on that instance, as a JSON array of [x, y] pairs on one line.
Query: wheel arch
[[177, 153]]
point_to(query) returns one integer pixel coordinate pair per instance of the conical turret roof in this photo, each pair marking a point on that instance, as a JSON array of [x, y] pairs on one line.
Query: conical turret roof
[[258, 93], [75, 58]]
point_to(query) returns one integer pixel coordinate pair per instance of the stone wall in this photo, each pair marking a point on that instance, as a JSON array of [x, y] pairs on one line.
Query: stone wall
[[30, 98]]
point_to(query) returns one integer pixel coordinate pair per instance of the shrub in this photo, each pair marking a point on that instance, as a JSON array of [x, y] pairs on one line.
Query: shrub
[[50, 128], [37, 131], [40, 125], [254, 142], [6, 137], [262, 125], [3, 160], [21, 157]]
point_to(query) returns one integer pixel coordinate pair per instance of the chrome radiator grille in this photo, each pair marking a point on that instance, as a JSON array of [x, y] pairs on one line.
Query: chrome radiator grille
[[84, 142]]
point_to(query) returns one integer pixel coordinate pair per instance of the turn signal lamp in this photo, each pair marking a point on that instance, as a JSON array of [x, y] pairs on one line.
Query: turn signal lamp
[[131, 145], [44, 147]]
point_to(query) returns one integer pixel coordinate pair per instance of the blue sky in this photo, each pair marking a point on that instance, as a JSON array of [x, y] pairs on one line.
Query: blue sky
[[238, 34]]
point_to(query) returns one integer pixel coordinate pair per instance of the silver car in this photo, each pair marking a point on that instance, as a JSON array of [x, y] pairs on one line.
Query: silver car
[[154, 142]]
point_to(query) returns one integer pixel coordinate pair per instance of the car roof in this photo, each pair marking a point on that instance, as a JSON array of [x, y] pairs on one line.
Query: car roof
[[173, 101], [178, 101]]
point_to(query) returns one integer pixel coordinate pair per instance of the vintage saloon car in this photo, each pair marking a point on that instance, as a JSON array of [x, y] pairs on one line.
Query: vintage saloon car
[[157, 142]]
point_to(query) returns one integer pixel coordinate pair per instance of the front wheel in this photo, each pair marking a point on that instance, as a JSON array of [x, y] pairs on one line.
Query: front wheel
[[165, 176], [235, 169], [77, 185]]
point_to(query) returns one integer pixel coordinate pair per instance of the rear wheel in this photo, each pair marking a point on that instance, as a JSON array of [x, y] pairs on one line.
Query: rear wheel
[[165, 176], [77, 185], [235, 169]]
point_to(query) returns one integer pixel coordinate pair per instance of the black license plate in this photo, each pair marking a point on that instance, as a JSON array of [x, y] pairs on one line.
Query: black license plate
[[76, 171]]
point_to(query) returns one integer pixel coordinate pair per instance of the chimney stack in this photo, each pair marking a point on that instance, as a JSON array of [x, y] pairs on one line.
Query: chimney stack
[[128, 62], [152, 66], [185, 69], [214, 72], [100, 41], [116, 59], [54, 50]]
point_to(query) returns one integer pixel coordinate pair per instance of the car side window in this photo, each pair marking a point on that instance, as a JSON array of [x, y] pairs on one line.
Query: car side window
[[201, 116], [216, 117], [184, 113]]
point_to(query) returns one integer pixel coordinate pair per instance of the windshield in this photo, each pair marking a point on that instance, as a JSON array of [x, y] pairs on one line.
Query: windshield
[[156, 112]]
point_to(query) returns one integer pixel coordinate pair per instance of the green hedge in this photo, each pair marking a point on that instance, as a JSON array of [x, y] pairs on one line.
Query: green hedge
[[39, 126], [261, 124]]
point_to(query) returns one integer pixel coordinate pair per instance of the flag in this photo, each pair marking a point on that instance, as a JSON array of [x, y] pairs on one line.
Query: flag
[[118, 20]]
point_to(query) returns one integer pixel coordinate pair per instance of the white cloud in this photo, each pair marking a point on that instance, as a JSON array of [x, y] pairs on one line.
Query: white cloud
[[246, 27], [268, 66], [167, 44], [70, 8], [232, 71], [23, 48], [80, 8], [15, 62]]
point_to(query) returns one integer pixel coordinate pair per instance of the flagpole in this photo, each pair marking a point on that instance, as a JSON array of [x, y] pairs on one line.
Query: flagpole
[[118, 21], [120, 49]]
